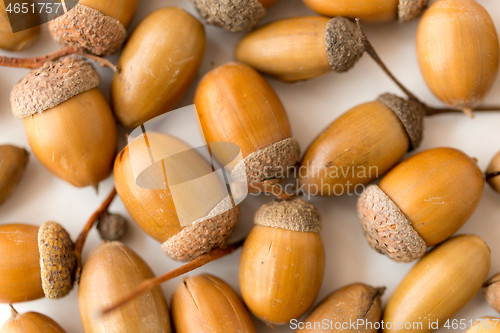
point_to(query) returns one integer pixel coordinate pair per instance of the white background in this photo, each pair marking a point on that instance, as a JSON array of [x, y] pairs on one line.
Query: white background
[[311, 106]]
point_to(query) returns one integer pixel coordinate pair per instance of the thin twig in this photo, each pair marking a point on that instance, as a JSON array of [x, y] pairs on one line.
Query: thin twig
[[430, 111], [149, 284]]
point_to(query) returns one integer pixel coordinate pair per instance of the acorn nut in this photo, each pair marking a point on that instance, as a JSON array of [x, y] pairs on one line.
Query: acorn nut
[[13, 161], [421, 202], [493, 173], [492, 292], [30, 322], [16, 41], [486, 324]]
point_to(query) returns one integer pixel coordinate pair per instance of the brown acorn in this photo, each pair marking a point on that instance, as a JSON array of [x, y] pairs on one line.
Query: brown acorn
[[202, 216], [36, 262], [30, 322], [492, 292], [157, 65], [96, 26], [205, 303], [421, 202], [13, 161], [235, 104], [233, 15], [111, 271], [282, 261], [302, 48], [458, 66], [68, 122], [18, 41], [485, 324], [361, 145], [372, 11], [493, 173], [439, 285]]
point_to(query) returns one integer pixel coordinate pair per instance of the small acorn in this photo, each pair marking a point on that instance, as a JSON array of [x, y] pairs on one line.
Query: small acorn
[[16, 41], [282, 261], [233, 15], [68, 122], [302, 48], [485, 324], [458, 52], [493, 173], [157, 65], [492, 292], [36, 262], [111, 271], [30, 322], [111, 227], [235, 104], [421, 202], [205, 303], [361, 145], [13, 161], [188, 221], [96, 26], [439, 285], [350, 304], [373, 11]]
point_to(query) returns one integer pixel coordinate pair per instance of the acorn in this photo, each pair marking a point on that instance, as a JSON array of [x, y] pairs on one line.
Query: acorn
[[235, 104], [205, 303], [13, 161], [361, 145], [493, 173], [458, 52], [282, 261], [202, 215], [302, 48], [111, 271], [68, 122], [157, 65], [36, 262], [439, 285], [30, 322], [492, 292], [16, 41], [96, 26], [351, 304], [233, 15], [374, 11], [421, 202], [485, 324]]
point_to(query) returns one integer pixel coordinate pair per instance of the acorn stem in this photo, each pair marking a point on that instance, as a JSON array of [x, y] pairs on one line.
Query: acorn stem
[[13, 312], [149, 284], [434, 111], [83, 234]]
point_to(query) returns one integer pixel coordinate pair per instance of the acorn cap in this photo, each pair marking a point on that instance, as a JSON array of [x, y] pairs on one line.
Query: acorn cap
[[52, 84], [410, 113], [386, 228], [344, 43], [295, 215], [89, 29], [409, 10], [232, 15], [57, 260], [112, 227], [204, 234], [267, 162]]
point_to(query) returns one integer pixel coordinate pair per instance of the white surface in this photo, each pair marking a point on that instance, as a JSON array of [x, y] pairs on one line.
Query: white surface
[[310, 106]]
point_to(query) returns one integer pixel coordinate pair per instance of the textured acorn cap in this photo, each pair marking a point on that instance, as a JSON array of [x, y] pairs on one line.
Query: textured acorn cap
[[57, 260], [52, 84], [232, 15], [409, 10], [344, 44], [295, 215], [112, 227], [89, 29], [386, 228], [267, 162], [410, 113], [204, 234]]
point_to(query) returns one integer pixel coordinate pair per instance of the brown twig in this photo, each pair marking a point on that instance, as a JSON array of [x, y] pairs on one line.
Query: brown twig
[[83, 234], [436, 111], [149, 284]]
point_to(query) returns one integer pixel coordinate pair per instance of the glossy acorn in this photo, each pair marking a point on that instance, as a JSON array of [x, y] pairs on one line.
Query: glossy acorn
[[68, 122], [439, 285], [111, 271], [371, 11], [16, 41], [421, 202], [157, 65], [458, 52], [13, 161], [96, 26], [493, 173], [361, 146], [302, 48], [30, 322], [36, 262], [205, 303], [282, 261]]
